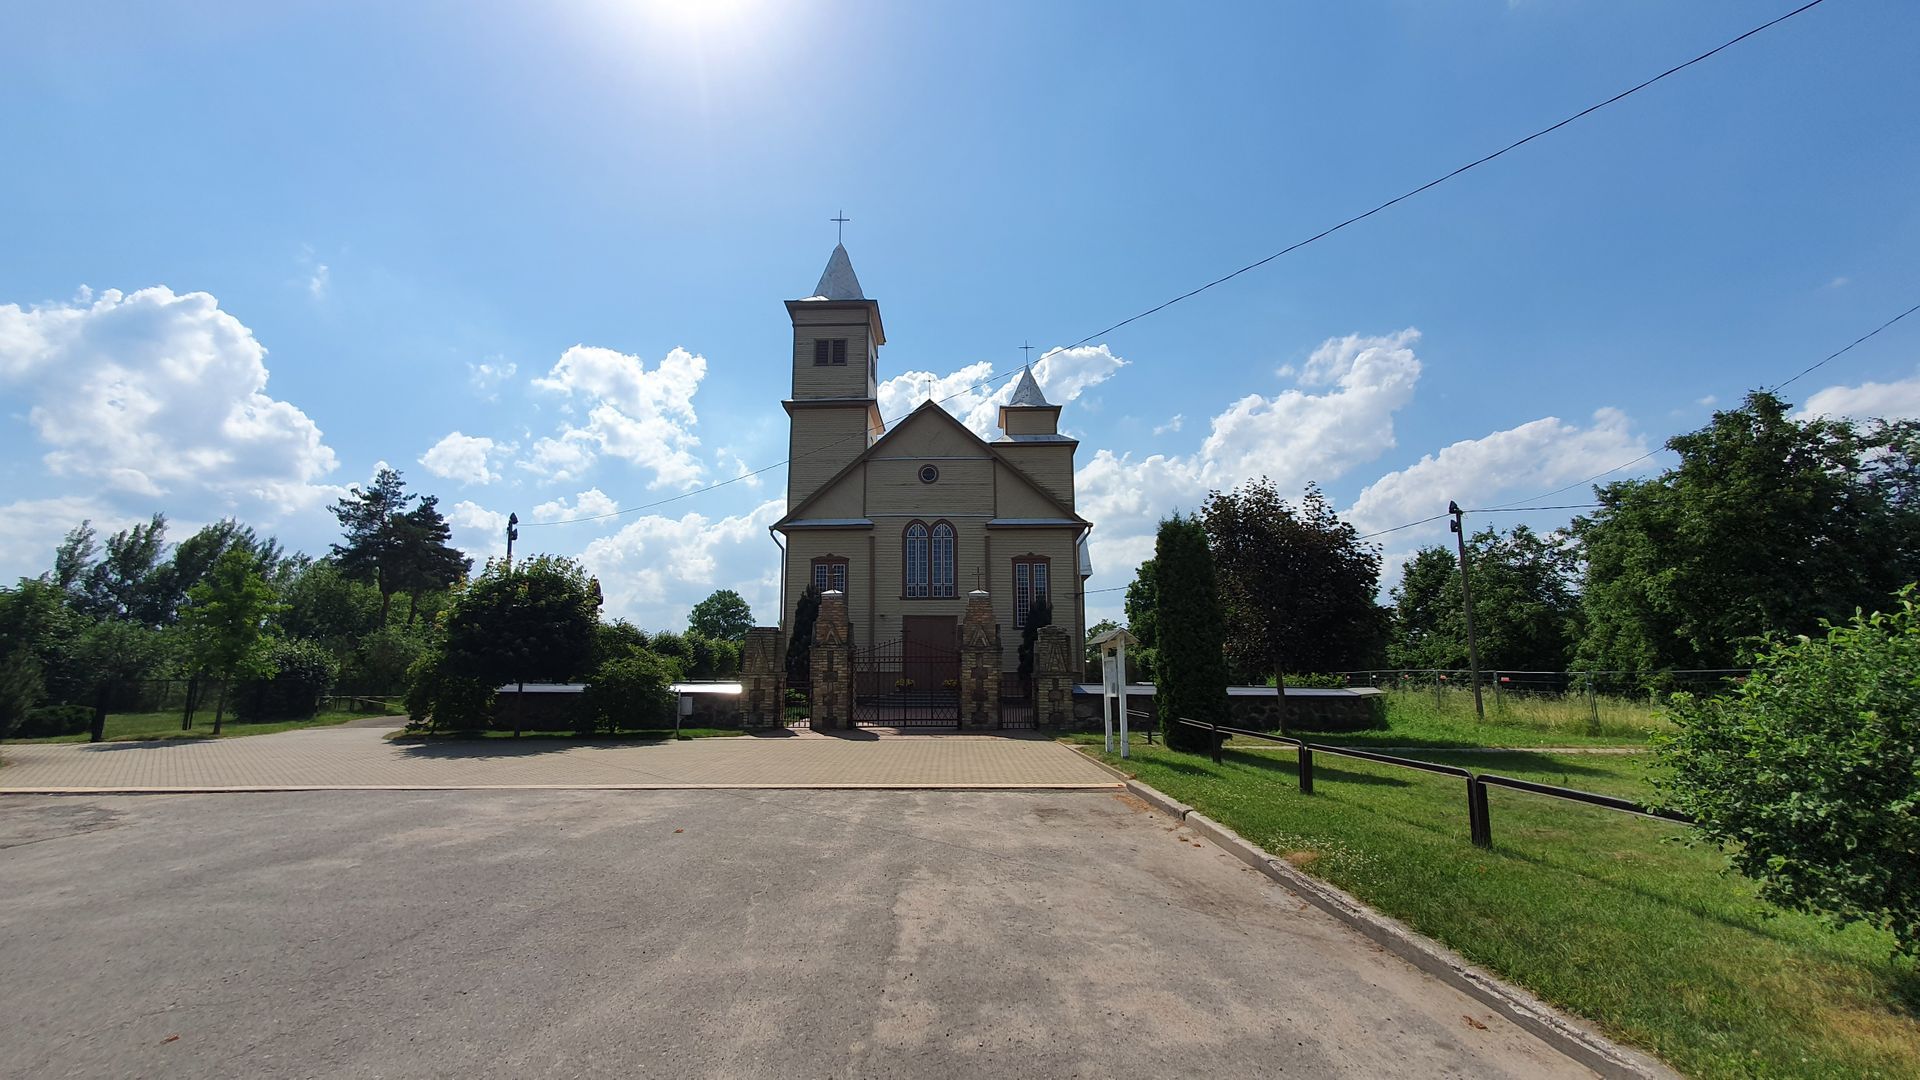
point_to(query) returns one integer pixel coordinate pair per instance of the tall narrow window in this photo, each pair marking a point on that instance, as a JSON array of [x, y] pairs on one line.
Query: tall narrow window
[[829, 351], [1029, 585], [916, 560], [830, 572], [942, 559]]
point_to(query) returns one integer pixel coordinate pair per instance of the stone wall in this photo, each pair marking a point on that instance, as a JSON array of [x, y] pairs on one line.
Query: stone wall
[[1254, 708], [762, 671], [979, 663], [832, 664], [1056, 665]]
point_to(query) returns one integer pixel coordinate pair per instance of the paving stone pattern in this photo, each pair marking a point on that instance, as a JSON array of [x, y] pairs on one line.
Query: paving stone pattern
[[362, 757]]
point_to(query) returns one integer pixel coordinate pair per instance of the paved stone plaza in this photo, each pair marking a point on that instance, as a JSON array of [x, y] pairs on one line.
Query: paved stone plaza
[[481, 934], [361, 757]]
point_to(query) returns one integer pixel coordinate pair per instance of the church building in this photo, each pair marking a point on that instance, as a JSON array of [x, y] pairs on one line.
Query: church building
[[907, 520]]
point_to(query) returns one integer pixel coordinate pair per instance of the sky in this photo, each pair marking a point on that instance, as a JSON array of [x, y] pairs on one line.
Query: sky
[[534, 256]]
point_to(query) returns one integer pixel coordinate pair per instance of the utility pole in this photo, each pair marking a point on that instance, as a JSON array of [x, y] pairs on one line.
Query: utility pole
[[513, 533], [1466, 599]]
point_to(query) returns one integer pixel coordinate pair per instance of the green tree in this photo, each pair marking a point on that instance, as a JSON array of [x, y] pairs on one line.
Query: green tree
[[1039, 614], [528, 623], [116, 656], [1140, 609], [194, 558], [126, 583], [20, 689], [722, 616], [1297, 584], [1768, 524], [1526, 613], [429, 561], [294, 679], [631, 692], [325, 605], [1809, 771], [225, 619], [806, 612], [377, 547], [35, 618], [1190, 666]]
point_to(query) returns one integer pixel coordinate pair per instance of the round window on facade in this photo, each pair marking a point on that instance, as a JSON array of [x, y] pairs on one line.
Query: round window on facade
[[928, 474]]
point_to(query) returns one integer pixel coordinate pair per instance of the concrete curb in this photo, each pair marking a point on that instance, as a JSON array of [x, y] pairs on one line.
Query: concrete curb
[[1557, 1029], [270, 788]]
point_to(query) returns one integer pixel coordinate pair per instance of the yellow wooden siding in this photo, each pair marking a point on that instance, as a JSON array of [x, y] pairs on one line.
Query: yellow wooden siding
[[1032, 421], [964, 487], [812, 380], [1050, 466], [823, 442]]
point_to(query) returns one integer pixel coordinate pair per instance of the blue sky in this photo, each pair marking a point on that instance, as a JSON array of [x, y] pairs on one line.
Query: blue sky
[[254, 250]]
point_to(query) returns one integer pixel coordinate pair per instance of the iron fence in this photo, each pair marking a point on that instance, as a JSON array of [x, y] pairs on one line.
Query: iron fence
[[1479, 825]]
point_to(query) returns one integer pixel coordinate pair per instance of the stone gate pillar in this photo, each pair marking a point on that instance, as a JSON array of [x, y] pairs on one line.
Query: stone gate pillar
[[1055, 669], [831, 661], [762, 668], [979, 663]]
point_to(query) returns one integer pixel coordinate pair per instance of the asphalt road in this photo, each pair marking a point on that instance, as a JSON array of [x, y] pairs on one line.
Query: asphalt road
[[686, 933]]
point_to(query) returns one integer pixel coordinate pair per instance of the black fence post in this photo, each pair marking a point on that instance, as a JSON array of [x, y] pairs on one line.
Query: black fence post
[[1215, 724], [1306, 769], [1479, 823]]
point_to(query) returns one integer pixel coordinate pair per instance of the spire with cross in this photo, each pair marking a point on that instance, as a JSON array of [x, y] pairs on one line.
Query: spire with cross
[[840, 227]]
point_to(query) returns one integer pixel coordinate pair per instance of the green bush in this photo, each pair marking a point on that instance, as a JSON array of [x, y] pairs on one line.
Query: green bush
[[631, 692], [441, 700], [1190, 669], [1809, 772], [20, 689], [48, 721], [303, 672]]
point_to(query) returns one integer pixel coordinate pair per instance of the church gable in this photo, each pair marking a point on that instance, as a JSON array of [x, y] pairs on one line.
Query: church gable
[[929, 463]]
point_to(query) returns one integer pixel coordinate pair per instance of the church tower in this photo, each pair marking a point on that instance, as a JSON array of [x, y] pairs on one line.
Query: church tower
[[1030, 438], [834, 413]]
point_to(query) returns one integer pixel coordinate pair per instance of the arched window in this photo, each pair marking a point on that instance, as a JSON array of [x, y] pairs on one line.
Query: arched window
[[1030, 585], [942, 560], [916, 560]]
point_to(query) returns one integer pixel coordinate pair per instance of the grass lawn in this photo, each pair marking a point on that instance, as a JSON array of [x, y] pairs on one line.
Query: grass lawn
[[122, 727], [1417, 718], [1596, 911], [646, 735]]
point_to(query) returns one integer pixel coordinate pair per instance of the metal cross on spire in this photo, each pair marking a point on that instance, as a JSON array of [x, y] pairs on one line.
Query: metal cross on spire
[[1028, 350], [840, 227]]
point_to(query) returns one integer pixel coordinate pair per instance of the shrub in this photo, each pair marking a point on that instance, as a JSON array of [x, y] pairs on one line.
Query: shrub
[[1809, 772], [20, 689], [1190, 669], [303, 672], [631, 692], [439, 699], [48, 721]]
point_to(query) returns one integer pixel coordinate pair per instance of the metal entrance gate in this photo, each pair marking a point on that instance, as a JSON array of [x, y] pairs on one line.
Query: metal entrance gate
[[906, 684]]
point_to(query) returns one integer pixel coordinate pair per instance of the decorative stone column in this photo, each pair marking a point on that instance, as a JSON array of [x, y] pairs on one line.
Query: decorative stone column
[[832, 664], [762, 700], [1054, 668], [979, 663]]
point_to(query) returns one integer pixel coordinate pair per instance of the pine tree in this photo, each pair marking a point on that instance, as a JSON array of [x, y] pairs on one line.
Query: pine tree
[[800, 641], [1190, 669]]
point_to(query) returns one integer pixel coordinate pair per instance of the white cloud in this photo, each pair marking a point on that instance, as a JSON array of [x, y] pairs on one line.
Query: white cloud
[[656, 568], [1709, 401], [153, 394], [742, 471], [1518, 462], [318, 281], [1292, 437], [1063, 375], [463, 458], [589, 503], [477, 531], [486, 378], [31, 529], [1897, 400], [1170, 426], [644, 416]]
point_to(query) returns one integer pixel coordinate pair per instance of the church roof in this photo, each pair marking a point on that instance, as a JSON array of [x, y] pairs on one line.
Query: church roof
[[1027, 392], [837, 281]]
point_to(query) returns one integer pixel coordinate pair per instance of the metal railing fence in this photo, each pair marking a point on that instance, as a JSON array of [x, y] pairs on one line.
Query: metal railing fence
[[1479, 824]]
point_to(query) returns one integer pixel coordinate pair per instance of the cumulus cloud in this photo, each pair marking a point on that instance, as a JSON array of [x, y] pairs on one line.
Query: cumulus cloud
[[589, 503], [463, 458], [1063, 375], [655, 568], [478, 532], [1536, 456], [153, 393], [1292, 437], [640, 415], [31, 529], [1897, 400], [1170, 426]]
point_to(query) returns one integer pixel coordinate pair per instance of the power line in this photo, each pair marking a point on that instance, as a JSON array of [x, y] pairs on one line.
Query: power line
[[1524, 509], [1776, 386], [1297, 245]]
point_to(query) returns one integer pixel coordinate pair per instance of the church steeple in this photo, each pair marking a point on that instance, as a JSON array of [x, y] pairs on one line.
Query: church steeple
[[1028, 414], [837, 281]]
